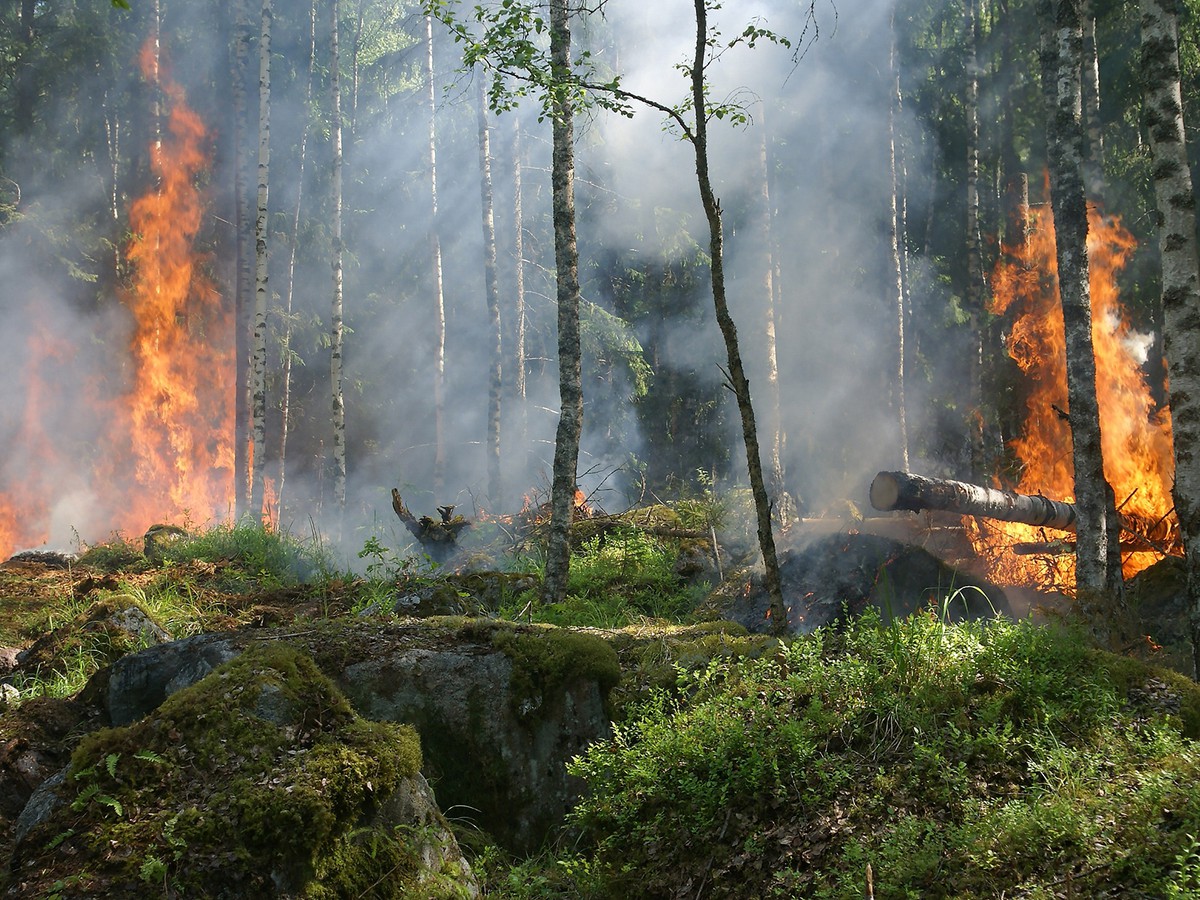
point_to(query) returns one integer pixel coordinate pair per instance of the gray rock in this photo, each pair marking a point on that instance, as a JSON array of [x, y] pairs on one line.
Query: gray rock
[[40, 806], [8, 659], [141, 681], [494, 759]]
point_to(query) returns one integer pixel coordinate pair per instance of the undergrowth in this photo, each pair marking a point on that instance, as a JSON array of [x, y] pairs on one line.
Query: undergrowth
[[958, 761]]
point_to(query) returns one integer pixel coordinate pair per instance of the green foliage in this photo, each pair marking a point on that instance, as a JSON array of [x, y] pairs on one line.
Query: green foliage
[[510, 40], [959, 760], [261, 554]]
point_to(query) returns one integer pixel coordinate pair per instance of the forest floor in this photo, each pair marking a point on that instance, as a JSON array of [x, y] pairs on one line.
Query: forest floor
[[958, 761]]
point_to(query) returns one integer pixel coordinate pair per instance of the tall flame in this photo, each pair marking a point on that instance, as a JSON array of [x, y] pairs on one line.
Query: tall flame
[[1135, 433], [165, 450], [179, 415]]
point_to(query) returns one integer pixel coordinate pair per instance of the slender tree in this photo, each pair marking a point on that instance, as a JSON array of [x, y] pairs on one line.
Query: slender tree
[[285, 404], [566, 257], [258, 359], [1093, 171], [974, 242], [244, 275], [895, 274], [1061, 67], [765, 260], [336, 325], [518, 214], [435, 273], [1180, 275], [492, 289]]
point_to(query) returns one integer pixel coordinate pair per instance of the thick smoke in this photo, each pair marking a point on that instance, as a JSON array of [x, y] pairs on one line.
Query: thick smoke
[[823, 103]]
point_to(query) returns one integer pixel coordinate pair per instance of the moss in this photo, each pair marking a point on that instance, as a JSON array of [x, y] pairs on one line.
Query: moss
[[1128, 675], [545, 659], [239, 783]]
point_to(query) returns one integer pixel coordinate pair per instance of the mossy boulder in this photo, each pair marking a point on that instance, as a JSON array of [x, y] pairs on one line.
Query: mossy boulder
[[258, 780], [501, 710]]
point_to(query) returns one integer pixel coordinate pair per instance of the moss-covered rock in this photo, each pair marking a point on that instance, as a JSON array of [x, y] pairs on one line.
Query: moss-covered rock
[[259, 780]]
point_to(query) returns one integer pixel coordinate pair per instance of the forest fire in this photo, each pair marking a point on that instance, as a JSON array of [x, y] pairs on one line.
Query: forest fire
[[1136, 434], [179, 413], [163, 451]]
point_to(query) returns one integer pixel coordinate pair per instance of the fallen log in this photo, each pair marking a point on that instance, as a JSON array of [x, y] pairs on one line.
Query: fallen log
[[903, 490]]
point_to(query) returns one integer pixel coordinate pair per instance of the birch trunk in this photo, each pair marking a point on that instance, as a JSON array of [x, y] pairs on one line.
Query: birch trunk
[[519, 284], [1061, 65], [974, 292], [435, 266], [244, 279], [286, 348], [492, 289], [766, 263], [258, 359], [1093, 172], [1180, 275], [896, 274], [336, 326], [566, 256]]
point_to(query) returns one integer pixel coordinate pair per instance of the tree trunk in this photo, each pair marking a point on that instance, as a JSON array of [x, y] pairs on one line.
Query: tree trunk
[[258, 362], [435, 265], [902, 490], [974, 248], [336, 326], [766, 271], [1094, 158], [519, 285], [566, 256], [286, 349], [737, 373], [492, 289], [895, 274], [1180, 275], [1093, 569], [244, 279]]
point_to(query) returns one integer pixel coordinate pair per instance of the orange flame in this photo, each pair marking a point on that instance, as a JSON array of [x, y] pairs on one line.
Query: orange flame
[[1135, 434], [165, 452], [179, 413]]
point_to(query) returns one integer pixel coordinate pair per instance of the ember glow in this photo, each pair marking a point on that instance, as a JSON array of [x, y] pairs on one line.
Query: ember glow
[[1135, 434], [164, 451]]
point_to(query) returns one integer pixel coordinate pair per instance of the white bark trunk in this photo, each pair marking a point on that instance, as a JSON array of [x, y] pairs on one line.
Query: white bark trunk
[[1180, 275], [258, 357], [336, 325]]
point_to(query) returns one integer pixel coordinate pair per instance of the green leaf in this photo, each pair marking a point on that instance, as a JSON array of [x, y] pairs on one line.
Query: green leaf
[[121, 4]]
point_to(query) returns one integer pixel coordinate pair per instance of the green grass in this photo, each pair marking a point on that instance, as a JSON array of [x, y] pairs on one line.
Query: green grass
[[960, 761]]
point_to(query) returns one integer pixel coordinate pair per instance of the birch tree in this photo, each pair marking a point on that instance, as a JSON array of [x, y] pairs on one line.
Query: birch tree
[[244, 277], [258, 359], [1061, 64], [336, 325], [286, 342], [492, 289], [895, 274], [1180, 275], [435, 274]]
